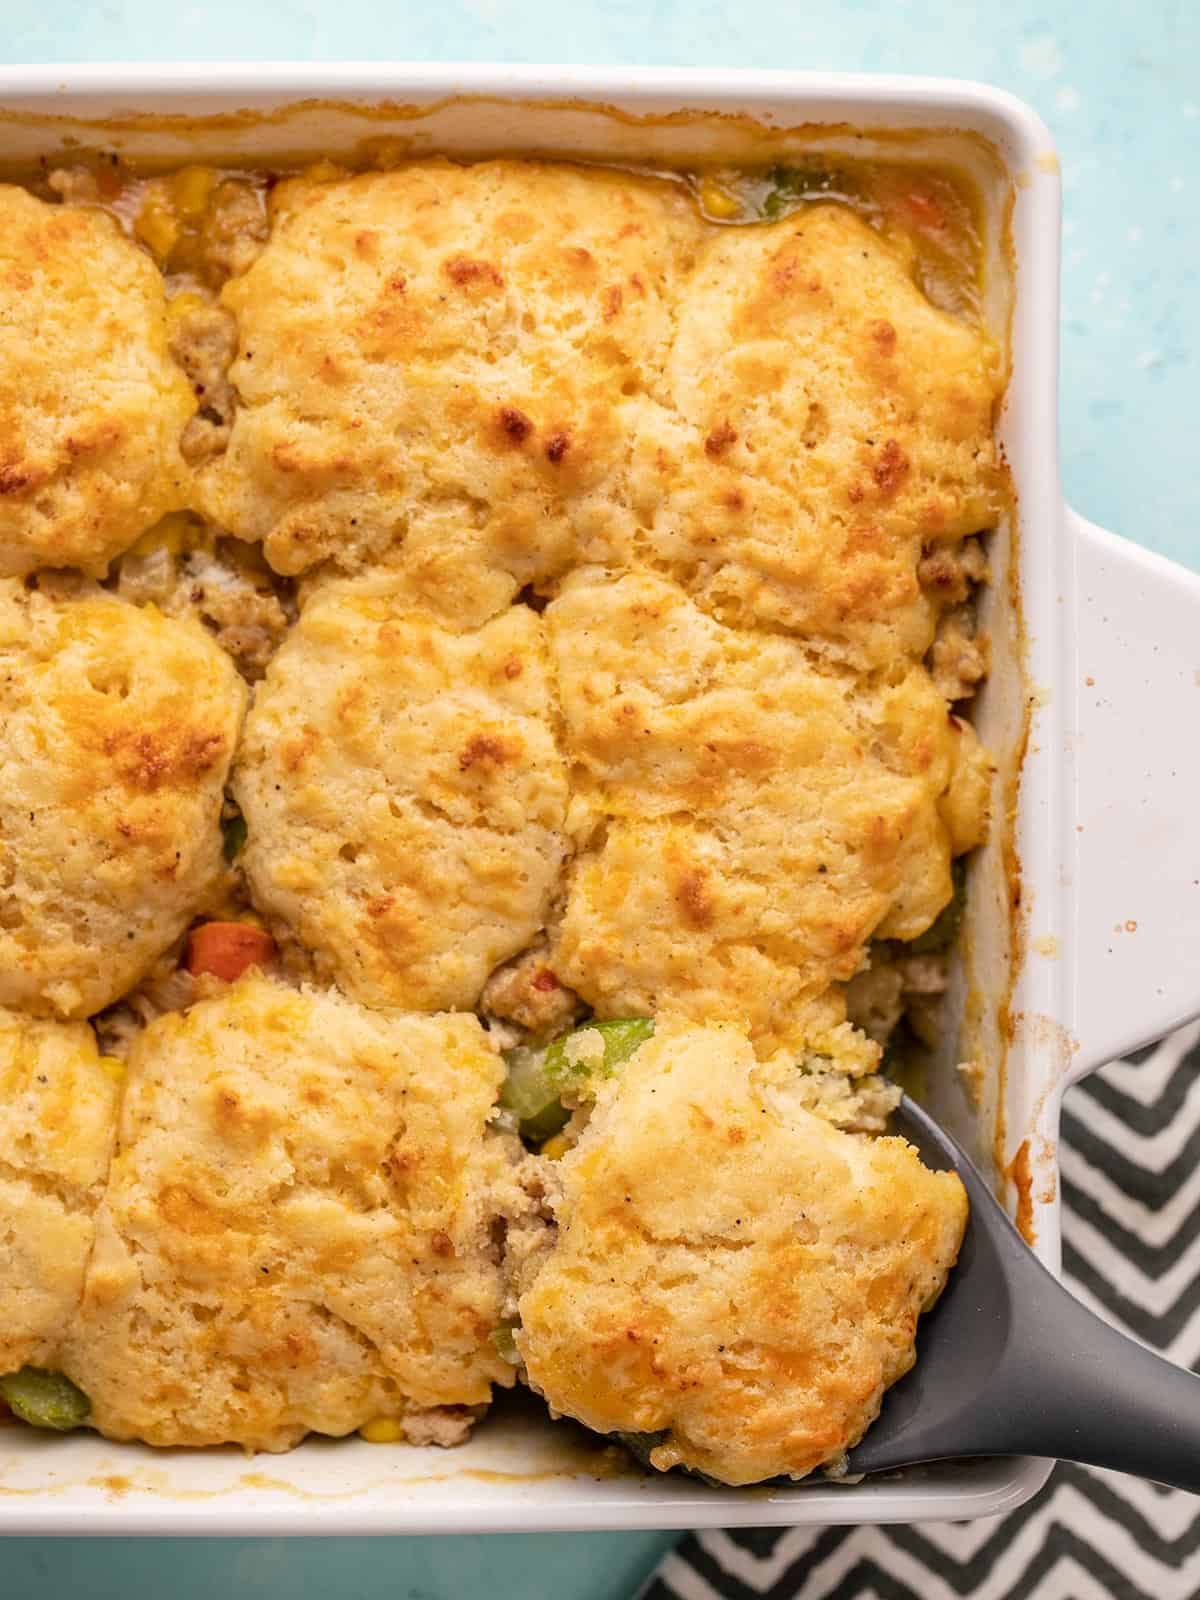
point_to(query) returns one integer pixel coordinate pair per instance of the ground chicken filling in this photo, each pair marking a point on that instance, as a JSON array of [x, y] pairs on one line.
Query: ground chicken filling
[[532, 664]]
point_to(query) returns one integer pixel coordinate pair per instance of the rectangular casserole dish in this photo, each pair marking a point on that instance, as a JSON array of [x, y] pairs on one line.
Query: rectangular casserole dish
[[1083, 912]]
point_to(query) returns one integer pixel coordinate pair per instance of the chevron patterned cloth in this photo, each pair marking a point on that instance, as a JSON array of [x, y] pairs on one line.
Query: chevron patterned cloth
[[1131, 1190]]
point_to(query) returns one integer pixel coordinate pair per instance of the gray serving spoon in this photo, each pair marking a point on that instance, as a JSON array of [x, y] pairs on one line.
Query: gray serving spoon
[[1009, 1363]]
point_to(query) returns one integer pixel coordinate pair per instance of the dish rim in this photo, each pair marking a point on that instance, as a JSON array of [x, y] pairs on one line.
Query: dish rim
[[867, 102]]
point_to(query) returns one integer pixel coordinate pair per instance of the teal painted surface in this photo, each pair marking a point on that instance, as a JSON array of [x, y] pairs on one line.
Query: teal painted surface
[[1116, 80], [504, 1567]]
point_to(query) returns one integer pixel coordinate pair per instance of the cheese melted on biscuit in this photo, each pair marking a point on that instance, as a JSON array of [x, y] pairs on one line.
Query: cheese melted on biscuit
[[91, 405], [297, 1233], [748, 1323]]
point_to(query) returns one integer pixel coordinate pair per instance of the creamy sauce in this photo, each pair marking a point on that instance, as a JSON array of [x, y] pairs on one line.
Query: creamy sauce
[[930, 214]]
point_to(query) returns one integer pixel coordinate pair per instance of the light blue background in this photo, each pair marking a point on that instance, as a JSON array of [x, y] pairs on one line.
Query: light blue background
[[1117, 81]]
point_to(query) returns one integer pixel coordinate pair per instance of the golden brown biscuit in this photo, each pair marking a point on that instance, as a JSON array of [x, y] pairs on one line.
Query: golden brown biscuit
[[91, 405], [751, 822], [58, 1115], [444, 357], [117, 728], [296, 1233], [825, 428], [403, 793], [752, 1321]]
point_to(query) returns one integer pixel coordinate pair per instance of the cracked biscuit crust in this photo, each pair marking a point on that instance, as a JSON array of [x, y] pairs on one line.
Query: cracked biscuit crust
[[117, 729], [444, 357], [91, 404], [404, 795], [754, 1320], [58, 1109], [746, 821], [296, 1235], [824, 426]]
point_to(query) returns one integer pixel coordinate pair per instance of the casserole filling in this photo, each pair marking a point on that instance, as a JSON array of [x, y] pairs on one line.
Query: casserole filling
[[510, 756]]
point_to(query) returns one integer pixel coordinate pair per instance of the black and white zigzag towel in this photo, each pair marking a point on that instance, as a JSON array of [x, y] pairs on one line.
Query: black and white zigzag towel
[[1131, 1188]]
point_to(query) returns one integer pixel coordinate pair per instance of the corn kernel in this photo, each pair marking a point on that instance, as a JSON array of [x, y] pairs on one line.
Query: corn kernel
[[717, 201], [381, 1430], [182, 305], [114, 1066], [556, 1147], [191, 188], [172, 533], [157, 227]]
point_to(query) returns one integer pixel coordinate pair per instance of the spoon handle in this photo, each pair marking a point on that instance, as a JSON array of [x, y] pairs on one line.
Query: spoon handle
[[1011, 1364], [1079, 1390]]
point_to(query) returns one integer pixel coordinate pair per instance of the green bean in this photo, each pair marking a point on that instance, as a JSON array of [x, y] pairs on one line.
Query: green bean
[[792, 185], [946, 926], [538, 1077], [530, 1096], [621, 1036], [233, 831], [45, 1399], [504, 1338]]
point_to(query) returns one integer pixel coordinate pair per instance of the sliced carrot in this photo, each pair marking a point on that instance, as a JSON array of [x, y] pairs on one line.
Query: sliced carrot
[[227, 949], [925, 209]]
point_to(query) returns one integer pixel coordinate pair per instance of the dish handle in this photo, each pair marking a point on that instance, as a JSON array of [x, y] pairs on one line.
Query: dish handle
[[1134, 757]]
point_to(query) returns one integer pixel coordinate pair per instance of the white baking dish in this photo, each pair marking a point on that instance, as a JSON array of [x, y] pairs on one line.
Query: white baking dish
[[1097, 640]]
